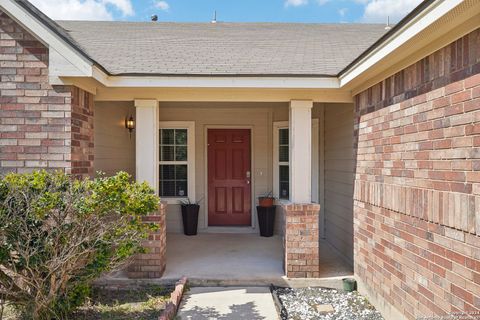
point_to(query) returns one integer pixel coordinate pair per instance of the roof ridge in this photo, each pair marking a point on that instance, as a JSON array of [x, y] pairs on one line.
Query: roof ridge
[[224, 22]]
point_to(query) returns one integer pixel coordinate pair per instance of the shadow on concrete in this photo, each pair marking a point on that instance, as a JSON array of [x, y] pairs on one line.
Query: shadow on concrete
[[237, 311]]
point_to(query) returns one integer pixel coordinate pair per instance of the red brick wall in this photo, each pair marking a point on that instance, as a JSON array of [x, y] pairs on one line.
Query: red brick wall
[[82, 151], [302, 240], [417, 184], [40, 126], [152, 263]]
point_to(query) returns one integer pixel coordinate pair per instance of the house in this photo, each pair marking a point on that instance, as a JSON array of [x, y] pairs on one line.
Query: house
[[369, 138]]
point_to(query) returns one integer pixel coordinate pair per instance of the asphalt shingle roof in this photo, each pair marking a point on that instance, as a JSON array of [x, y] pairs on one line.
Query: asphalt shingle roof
[[223, 48]]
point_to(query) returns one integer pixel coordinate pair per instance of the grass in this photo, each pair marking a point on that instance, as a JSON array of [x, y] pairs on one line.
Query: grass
[[145, 303], [9, 313]]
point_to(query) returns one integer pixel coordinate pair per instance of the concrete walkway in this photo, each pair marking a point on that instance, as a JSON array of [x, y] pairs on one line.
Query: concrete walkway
[[248, 303]]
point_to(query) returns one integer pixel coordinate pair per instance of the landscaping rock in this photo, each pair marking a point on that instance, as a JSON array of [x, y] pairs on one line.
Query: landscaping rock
[[315, 303], [324, 308]]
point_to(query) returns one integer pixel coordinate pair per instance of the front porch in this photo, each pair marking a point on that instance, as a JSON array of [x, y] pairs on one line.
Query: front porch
[[232, 259], [301, 150]]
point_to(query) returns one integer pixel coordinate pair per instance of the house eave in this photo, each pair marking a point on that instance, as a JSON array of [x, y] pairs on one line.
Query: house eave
[[65, 59], [413, 38], [436, 24], [217, 81]]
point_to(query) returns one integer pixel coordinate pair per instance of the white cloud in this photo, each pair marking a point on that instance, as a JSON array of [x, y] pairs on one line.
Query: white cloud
[[83, 9], [125, 6], [162, 5], [295, 3], [342, 12], [379, 10]]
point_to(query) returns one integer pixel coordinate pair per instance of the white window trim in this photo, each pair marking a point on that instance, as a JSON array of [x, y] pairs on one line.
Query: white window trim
[[276, 162], [190, 126], [315, 159]]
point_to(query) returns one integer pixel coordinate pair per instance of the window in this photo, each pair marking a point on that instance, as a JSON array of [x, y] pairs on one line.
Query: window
[[281, 159], [176, 160], [283, 163]]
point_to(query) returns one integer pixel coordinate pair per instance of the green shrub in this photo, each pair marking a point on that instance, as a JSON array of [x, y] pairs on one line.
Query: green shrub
[[57, 234]]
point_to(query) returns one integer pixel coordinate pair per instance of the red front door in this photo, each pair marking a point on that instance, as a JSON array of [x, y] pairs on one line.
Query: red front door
[[229, 172]]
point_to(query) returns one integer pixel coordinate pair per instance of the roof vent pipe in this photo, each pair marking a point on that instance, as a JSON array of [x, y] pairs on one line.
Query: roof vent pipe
[[388, 24], [214, 17]]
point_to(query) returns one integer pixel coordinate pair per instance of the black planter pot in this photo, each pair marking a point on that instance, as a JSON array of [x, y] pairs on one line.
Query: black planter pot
[[266, 220], [190, 219]]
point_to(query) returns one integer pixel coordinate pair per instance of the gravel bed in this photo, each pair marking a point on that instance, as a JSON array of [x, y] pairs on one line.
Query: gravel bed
[[300, 304]]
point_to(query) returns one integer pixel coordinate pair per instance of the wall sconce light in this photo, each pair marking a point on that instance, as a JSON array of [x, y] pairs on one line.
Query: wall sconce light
[[130, 124]]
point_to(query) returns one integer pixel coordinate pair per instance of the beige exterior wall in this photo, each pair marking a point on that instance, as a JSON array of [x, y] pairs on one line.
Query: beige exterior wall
[[339, 176], [114, 149], [257, 116]]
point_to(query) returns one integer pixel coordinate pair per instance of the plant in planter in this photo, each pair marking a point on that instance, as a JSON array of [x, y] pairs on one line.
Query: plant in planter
[[266, 214], [190, 216], [266, 200]]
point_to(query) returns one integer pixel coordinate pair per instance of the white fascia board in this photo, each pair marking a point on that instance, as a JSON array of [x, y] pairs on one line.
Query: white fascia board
[[215, 82], [48, 37], [59, 66], [431, 14]]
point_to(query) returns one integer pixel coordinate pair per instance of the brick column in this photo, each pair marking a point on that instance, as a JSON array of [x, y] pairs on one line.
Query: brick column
[[302, 258], [82, 144], [152, 264]]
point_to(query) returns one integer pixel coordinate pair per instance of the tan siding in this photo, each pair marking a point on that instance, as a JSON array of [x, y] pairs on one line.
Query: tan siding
[[257, 115], [114, 149], [339, 175]]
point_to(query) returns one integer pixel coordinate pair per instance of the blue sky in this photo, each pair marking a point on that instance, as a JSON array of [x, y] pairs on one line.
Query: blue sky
[[253, 11], [315, 11]]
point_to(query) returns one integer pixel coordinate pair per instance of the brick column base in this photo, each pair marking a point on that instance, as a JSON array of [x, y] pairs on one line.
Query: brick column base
[[302, 240], [152, 264]]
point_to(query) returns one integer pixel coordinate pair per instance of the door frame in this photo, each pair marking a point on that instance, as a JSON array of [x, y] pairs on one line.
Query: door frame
[[252, 179]]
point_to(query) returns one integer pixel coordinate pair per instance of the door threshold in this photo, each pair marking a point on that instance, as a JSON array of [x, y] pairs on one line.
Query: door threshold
[[247, 230]]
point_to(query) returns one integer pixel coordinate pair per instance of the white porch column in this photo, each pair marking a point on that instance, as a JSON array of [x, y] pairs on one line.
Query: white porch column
[[146, 136], [300, 126]]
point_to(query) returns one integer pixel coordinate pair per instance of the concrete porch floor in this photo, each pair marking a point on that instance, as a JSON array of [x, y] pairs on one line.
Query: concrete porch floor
[[231, 259], [242, 259], [224, 257]]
